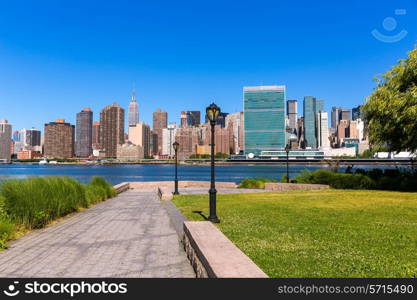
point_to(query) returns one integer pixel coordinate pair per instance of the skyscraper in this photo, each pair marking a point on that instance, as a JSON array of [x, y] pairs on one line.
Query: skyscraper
[[193, 117], [335, 116], [5, 140], [264, 118], [112, 122], [235, 124], [96, 135], [133, 111], [322, 129], [356, 112], [160, 121], [345, 114], [311, 107], [30, 138], [59, 139], [140, 135], [168, 138], [84, 133], [183, 122], [292, 115]]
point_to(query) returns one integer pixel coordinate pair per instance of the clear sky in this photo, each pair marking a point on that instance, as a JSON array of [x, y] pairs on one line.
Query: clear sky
[[57, 57]]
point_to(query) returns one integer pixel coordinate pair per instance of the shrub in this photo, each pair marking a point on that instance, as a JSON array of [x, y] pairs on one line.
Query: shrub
[[98, 181], [255, 183], [95, 193]]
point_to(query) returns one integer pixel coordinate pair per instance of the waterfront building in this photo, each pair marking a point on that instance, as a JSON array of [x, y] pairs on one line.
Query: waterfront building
[[140, 135], [322, 130], [129, 151], [30, 138], [345, 114], [59, 139], [264, 118], [153, 142], [5, 140], [16, 136], [300, 132], [183, 121], [188, 138], [235, 125], [84, 133], [168, 138], [222, 138], [133, 113], [111, 129], [311, 107], [160, 121], [342, 131], [28, 154], [96, 135], [292, 115]]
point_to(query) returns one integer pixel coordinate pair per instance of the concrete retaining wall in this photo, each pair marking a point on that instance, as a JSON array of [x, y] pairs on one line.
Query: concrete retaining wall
[[122, 187], [294, 186]]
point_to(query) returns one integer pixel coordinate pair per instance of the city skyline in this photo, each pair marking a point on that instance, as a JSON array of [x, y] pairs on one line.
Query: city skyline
[[69, 60]]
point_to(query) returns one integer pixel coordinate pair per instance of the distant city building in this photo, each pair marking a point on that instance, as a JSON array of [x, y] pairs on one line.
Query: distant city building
[[235, 125], [356, 112], [153, 144], [30, 138], [168, 138], [342, 131], [96, 135], [222, 140], [322, 130], [300, 133], [160, 121], [335, 116], [5, 140], [292, 115], [311, 106], [84, 133], [221, 120], [140, 135], [59, 139], [111, 129], [188, 138], [28, 154], [345, 114], [264, 118], [133, 112], [129, 151], [193, 118], [183, 122], [16, 136]]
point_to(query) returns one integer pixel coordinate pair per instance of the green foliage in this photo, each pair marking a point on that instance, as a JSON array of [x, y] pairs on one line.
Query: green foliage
[[327, 233], [255, 183], [100, 182], [388, 179], [391, 111]]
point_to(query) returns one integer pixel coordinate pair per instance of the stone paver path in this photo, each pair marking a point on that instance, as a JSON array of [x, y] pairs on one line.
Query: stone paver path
[[127, 236]]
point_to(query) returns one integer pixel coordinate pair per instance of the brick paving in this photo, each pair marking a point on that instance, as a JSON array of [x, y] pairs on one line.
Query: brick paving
[[127, 236]]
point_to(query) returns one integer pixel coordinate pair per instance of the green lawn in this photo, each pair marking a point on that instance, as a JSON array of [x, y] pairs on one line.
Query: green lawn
[[329, 233]]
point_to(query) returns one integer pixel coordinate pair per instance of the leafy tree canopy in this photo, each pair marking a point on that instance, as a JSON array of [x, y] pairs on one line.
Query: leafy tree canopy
[[391, 111]]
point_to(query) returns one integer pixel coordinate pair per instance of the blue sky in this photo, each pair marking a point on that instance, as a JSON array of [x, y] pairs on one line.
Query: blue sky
[[57, 57]]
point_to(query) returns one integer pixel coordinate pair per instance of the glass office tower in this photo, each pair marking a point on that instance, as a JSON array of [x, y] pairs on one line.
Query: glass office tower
[[264, 118], [312, 106]]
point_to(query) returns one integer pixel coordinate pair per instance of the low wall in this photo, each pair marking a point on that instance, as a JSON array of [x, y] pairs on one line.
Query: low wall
[[213, 255], [122, 187], [294, 186], [181, 184]]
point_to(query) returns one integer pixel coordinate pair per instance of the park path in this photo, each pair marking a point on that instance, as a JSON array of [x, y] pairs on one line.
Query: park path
[[130, 235]]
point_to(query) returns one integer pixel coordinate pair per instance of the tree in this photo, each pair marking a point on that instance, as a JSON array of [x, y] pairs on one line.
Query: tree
[[390, 113]]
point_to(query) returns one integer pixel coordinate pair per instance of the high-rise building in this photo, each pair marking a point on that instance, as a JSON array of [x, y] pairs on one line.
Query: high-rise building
[[221, 138], [193, 117], [183, 122], [345, 114], [221, 119], [188, 138], [112, 122], [84, 133], [311, 107], [264, 118], [153, 144], [59, 139], [335, 116], [160, 121], [168, 138], [322, 130], [292, 115], [133, 111], [140, 135], [342, 131], [356, 112], [96, 135], [235, 124], [16, 136], [30, 138], [5, 140]]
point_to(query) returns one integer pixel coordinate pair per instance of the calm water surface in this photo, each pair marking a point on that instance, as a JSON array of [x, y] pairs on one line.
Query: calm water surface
[[121, 173]]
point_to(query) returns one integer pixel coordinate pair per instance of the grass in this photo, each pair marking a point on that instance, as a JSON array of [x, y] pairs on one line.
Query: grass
[[36, 202], [328, 233]]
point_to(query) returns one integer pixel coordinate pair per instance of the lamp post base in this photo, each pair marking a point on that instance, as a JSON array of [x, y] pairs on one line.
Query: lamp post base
[[213, 216], [176, 188]]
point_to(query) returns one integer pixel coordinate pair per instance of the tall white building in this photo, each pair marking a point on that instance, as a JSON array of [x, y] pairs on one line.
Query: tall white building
[[133, 111], [322, 130], [139, 135], [168, 138], [5, 140]]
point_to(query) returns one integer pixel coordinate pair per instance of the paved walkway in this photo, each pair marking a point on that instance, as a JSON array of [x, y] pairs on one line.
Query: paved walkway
[[127, 236]]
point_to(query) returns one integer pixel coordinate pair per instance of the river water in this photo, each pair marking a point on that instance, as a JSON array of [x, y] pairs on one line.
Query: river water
[[149, 172]]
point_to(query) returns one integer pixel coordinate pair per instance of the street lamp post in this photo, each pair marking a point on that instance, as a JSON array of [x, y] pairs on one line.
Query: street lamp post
[[287, 149], [212, 112], [176, 146]]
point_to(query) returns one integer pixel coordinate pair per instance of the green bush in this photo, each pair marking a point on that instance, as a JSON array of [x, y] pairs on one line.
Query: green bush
[[98, 181], [95, 193], [255, 183]]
